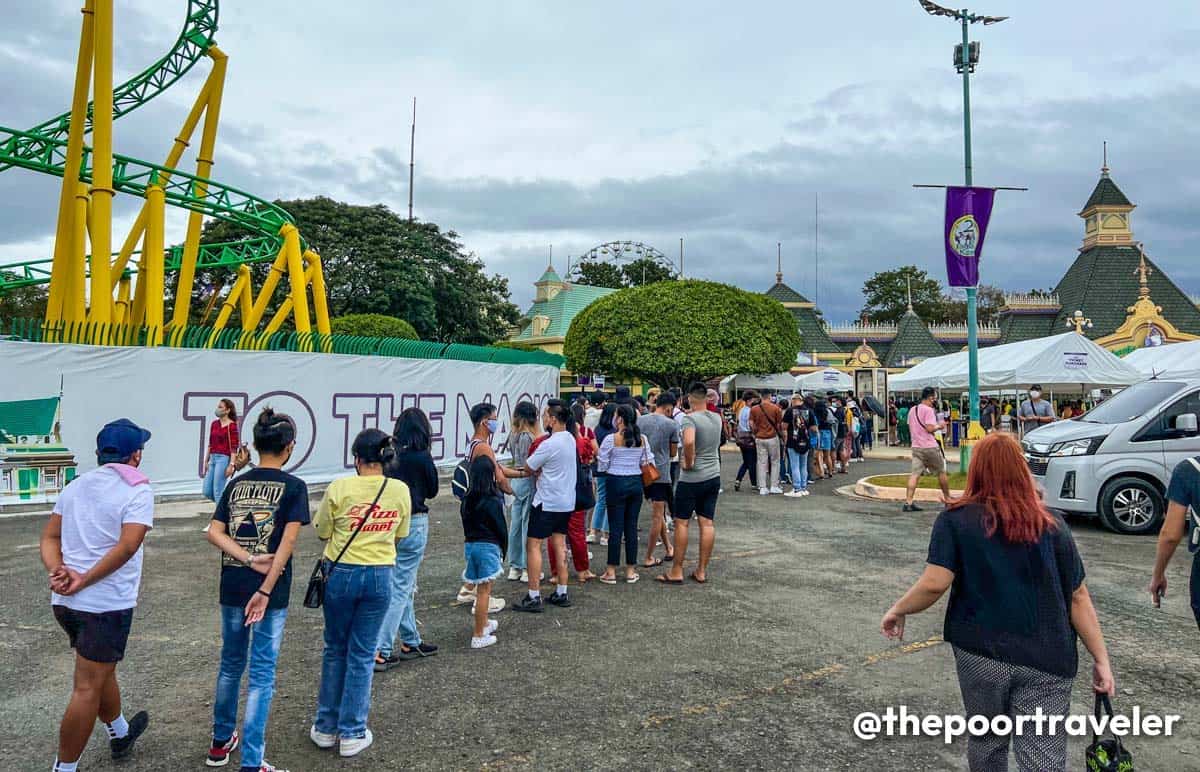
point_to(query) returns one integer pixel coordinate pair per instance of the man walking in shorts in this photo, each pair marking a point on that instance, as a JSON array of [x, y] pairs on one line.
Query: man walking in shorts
[[92, 549], [699, 485], [927, 455]]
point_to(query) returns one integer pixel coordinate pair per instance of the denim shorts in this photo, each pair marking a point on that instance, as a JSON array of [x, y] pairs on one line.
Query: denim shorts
[[826, 440], [483, 562]]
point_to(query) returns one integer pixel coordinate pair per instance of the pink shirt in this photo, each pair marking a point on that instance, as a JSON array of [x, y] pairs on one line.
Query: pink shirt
[[918, 418]]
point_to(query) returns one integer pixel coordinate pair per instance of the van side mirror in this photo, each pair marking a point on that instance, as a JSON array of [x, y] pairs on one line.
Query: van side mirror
[[1186, 423]]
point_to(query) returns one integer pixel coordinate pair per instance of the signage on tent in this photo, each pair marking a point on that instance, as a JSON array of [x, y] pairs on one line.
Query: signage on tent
[[1075, 360]]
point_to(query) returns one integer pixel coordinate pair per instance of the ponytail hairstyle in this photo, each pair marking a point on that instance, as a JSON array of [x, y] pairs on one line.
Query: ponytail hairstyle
[[525, 417], [577, 413], [273, 432], [373, 446], [231, 409], [630, 436], [483, 481]]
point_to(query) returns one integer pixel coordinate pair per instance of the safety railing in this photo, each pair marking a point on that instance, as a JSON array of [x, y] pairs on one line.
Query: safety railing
[[101, 334]]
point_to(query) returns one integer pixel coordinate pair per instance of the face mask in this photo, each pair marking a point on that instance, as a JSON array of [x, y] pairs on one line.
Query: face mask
[[219, 412], [493, 425], [1034, 394]]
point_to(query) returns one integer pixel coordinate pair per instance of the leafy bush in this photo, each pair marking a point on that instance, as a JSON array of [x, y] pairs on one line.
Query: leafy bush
[[672, 333], [373, 326]]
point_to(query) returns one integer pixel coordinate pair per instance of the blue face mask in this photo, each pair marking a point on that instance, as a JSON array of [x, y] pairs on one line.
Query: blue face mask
[[493, 425]]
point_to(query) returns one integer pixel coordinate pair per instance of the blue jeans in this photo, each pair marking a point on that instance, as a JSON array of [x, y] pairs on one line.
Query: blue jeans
[[799, 461], [262, 641], [600, 513], [626, 494], [400, 618], [356, 600], [518, 520], [214, 478]]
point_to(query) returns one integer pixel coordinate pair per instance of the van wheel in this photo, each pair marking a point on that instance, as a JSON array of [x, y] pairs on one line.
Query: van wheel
[[1130, 505]]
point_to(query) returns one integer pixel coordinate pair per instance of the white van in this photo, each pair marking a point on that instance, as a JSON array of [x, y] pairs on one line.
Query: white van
[[1116, 459]]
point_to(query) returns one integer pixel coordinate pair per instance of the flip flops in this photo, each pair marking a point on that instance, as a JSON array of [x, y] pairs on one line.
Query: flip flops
[[663, 578], [606, 580], [655, 564], [696, 579]]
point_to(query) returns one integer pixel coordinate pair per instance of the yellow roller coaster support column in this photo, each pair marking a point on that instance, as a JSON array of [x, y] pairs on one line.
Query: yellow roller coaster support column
[[68, 260], [214, 87], [320, 304], [240, 292], [264, 293], [153, 260], [121, 310], [295, 267], [102, 161], [73, 300]]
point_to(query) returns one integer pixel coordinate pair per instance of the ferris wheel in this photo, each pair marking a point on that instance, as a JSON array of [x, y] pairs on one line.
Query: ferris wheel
[[627, 252]]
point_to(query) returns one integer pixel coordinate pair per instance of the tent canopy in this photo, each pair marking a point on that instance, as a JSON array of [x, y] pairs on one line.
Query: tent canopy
[[1174, 360], [1057, 363], [776, 382], [824, 380]]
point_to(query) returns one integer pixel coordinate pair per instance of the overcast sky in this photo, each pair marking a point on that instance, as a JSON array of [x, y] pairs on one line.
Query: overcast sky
[[578, 123]]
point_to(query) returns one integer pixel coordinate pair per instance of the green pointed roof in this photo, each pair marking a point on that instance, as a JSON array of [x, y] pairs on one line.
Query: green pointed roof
[[913, 339], [1103, 283], [1026, 325], [550, 275], [27, 417], [1106, 193], [785, 294], [560, 309]]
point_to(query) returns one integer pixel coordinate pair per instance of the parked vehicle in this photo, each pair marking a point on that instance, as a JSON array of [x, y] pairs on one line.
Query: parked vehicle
[[1116, 459]]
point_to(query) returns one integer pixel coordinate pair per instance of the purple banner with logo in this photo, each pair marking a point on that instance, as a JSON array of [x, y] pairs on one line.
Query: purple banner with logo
[[967, 213]]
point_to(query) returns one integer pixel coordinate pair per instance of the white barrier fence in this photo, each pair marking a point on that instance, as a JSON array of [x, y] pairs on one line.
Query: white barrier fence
[[55, 398]]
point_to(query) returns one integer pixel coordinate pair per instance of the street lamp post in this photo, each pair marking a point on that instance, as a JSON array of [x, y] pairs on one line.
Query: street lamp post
[[967, 57]]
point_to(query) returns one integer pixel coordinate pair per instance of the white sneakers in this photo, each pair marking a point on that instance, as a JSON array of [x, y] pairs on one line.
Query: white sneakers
[[494, 605], [795, 494], [356, 746], [514, 574], [465, 594], [491, 627], [348, 747], [321, 739], [776, 489], [484, 642], [763, 491]]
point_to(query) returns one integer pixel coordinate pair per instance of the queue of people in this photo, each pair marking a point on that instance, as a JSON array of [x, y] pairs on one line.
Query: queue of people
[[1002, 556]]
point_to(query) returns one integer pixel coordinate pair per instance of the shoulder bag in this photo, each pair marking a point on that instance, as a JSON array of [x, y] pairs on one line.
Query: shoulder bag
[[1105, 754], [650, 473], [314, 596]]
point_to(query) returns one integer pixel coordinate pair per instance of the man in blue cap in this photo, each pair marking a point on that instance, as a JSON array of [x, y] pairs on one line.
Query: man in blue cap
[[92, 550]]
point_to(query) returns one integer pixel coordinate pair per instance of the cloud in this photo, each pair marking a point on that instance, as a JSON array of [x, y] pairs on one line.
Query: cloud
[[573, 126]]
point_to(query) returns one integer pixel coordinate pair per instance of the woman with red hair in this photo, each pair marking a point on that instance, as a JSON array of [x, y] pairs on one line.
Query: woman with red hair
[[1017, 605]]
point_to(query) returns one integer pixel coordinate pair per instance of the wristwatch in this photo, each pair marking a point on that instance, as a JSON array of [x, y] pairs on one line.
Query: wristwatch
[[249, 561]]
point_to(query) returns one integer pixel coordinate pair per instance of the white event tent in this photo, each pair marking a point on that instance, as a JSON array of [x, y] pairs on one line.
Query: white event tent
[[824, 380], [1058, 363], [1174, 360], [775, 382]]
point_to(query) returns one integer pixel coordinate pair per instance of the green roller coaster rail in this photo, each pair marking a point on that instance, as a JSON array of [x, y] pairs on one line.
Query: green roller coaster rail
[[40, 331], [43, 149]]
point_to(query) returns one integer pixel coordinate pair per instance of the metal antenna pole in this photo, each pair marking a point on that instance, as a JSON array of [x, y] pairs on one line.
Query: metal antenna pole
[[412, 149]]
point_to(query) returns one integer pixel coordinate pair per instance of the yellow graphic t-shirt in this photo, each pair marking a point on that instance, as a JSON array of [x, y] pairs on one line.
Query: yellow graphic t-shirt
[[346, 501]]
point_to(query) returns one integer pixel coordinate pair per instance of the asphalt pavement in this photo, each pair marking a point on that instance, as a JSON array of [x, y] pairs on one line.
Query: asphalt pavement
[[764, 667]]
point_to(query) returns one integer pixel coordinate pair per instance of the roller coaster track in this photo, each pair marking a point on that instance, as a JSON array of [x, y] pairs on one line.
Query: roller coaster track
[[43, 149]]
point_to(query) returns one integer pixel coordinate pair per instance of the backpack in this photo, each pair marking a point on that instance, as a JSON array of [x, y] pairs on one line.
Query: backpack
[[1193, 519], [461, 480]]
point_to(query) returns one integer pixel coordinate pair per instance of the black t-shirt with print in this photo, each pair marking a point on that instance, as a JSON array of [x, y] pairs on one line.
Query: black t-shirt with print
[[798, 420], [255, 507]]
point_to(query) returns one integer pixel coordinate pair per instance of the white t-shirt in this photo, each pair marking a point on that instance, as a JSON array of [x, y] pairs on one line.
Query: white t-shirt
[[555, 457], [93, 508]]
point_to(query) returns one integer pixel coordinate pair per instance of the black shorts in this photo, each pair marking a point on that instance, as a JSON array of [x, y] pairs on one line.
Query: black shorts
[[96, 637], [542, 523], [659, 491], [697, 497]]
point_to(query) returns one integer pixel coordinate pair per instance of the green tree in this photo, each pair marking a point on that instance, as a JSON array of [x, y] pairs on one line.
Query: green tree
[[375, 261], [645, 270], [597, 273], [886, 295], [23, 302], [373, 326], [990, 300], [673, 333]]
